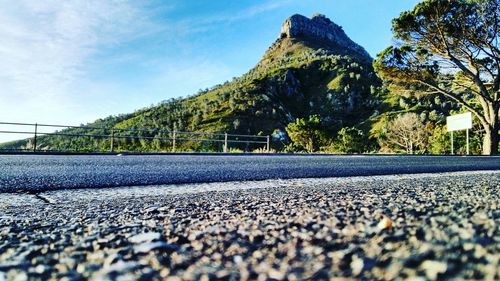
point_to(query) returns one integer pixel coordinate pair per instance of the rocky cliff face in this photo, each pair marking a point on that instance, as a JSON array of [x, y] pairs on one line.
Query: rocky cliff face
[[319, 27]]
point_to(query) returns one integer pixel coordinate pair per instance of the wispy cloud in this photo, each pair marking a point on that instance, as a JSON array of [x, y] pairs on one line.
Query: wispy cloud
[[44, 44], [208, 22], [257, 9]]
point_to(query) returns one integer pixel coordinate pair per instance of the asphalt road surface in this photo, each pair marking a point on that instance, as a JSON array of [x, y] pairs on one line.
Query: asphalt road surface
[[35, 173]]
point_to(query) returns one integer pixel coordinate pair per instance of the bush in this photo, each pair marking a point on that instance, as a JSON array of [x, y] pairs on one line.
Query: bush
[[439, 141], [263, 150], [307, 134], [349, 140], [293, 148]]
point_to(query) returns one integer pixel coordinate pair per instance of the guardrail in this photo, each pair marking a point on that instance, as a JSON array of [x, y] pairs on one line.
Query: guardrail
[[115, 134]]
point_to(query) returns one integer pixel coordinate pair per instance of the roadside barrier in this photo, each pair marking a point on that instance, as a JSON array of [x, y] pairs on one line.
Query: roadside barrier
[[114, 135]]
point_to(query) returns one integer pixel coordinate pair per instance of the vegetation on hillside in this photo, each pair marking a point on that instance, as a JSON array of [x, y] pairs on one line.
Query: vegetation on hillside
[[295, 79]]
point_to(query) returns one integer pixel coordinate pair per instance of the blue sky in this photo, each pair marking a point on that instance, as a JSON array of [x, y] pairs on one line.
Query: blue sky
[[72, 62]]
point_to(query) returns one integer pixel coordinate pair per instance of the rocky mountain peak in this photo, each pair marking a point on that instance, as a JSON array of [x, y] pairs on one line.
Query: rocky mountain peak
[[321, 28]]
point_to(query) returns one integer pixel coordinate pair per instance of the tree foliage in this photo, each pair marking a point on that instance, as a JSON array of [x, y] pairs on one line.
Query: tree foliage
[[307, 133], [451, 48], [350, 140], [439, 141]]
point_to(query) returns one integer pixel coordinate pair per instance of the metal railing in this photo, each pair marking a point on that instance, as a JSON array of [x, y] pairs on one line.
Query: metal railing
[[115, 134]]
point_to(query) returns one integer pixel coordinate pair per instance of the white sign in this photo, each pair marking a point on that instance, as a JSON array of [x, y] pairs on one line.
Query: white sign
[[459, 122]]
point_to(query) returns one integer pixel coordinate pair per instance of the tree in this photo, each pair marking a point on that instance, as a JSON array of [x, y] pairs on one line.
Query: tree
[[439, 141], [449, 47], [350, 140], [406, 133], [307, 133]]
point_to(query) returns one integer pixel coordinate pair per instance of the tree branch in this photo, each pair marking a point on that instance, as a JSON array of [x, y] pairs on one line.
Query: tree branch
[[460, 65], [457, 99]]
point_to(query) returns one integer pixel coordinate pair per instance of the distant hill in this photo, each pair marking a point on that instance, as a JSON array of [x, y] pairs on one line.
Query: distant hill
[[312, 68]]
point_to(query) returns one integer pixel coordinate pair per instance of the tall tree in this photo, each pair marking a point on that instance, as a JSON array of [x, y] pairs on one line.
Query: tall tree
[[449, 47]]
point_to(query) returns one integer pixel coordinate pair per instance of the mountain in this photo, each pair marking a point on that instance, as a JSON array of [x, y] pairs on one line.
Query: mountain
[[313, 68]]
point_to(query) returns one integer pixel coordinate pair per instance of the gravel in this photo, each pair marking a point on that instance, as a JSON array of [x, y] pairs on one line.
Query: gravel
[[407, 227]]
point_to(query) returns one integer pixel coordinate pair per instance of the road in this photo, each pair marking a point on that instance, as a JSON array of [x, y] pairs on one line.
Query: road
[[35, 173]]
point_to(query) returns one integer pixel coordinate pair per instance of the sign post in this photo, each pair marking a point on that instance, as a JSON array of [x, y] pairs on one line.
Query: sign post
[[467, 132], [452, 150], [459, 122]]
